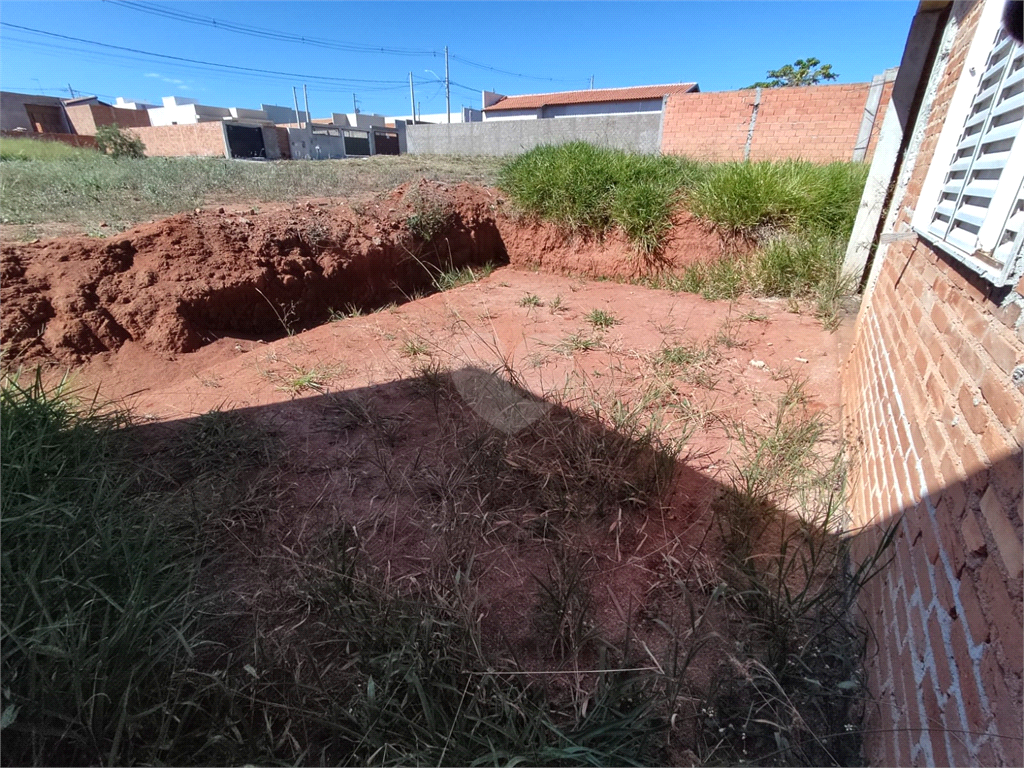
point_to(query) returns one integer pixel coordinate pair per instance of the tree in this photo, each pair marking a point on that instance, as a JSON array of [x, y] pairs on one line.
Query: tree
[[805, 72], [112, 141]]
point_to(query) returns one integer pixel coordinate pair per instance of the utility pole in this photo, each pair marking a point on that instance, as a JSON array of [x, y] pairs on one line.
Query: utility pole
[[447, 86], [355, 108], [295, 100], [591, 82], [412, 99], [71, 91], [305, 98]]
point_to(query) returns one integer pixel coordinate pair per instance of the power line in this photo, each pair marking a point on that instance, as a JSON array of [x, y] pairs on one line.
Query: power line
[[514, 74], [215, 65], [268, 34]]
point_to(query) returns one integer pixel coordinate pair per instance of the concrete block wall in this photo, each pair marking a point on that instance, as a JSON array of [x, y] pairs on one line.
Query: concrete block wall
[[86, 118], [817, 123], [935, 426], [194, 140], [632, 133]]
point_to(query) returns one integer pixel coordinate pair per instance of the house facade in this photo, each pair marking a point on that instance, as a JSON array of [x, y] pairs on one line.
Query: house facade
[[933, 394], [646, 99], [32, 113]]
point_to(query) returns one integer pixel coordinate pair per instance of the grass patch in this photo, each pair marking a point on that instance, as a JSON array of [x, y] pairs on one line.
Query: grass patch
[[43, 151], [124, 192], [99, 607], [431, 215], [587, 189], [799, 214], [804, 266], [790, 194]]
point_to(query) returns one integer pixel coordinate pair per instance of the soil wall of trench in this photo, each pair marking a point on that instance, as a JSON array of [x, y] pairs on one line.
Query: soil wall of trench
[[177, 284]]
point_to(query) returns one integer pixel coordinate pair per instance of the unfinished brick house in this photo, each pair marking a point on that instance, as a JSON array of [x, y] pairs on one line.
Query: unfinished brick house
[[934, 395]]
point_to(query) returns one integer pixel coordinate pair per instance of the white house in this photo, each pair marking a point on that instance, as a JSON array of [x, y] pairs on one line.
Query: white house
[[177, 110]]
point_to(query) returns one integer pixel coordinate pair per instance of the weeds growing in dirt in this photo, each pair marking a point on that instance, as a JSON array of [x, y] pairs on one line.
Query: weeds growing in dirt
[[130, 637], [348, 311], [431, 214], [415, 347], [530, 301], [792, 696], [602, 320], [296, 379], [455, 278], [577, 342]]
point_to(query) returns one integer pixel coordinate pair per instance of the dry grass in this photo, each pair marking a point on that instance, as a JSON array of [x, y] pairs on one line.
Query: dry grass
[[93, 189]]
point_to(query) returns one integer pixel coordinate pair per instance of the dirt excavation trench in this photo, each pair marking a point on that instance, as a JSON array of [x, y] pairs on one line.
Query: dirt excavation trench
[[178, 284]]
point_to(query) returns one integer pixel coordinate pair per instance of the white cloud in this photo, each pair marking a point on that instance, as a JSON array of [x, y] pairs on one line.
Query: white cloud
[[171, 80]]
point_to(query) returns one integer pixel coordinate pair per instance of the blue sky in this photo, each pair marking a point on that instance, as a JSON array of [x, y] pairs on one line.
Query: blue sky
[[541, 46]]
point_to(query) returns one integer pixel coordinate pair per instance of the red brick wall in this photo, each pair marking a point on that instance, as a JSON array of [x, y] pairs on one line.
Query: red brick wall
[[196, 140], [817, 123], [707, 126], [86, 118], [936, 430]]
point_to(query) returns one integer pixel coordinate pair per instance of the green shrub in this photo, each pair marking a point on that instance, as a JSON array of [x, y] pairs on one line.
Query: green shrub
[[114, 142]]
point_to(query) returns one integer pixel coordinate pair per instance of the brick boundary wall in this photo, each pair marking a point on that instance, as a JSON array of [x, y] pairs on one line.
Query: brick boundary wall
[[193, 140], [819, 123], [936, 428], [86, 118]]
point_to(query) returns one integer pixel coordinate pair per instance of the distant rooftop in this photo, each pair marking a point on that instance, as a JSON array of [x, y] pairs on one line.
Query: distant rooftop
[[593, 96]]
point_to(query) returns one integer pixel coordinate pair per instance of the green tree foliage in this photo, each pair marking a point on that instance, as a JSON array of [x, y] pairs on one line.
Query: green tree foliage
[[112, 141], [803, 72]]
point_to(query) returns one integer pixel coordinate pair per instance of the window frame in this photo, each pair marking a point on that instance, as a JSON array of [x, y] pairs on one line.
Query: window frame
[[1011, 181]]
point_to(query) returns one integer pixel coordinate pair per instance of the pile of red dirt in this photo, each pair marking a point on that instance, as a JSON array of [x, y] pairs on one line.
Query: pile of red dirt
[[177, 284]]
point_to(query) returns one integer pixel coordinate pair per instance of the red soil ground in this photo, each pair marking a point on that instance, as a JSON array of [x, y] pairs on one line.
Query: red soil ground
[[183, 316]]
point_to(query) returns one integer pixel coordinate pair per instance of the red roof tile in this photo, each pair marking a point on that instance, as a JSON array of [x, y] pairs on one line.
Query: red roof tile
[[596, 96]]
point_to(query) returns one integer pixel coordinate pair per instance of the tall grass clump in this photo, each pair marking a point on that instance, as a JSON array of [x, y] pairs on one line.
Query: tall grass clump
[[793, 692], [791, 195], [98, 603], [589, 189], [797, 215], [44, 151]]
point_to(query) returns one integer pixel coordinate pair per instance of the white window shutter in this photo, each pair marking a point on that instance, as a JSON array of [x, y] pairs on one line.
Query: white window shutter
[[971, 189]]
